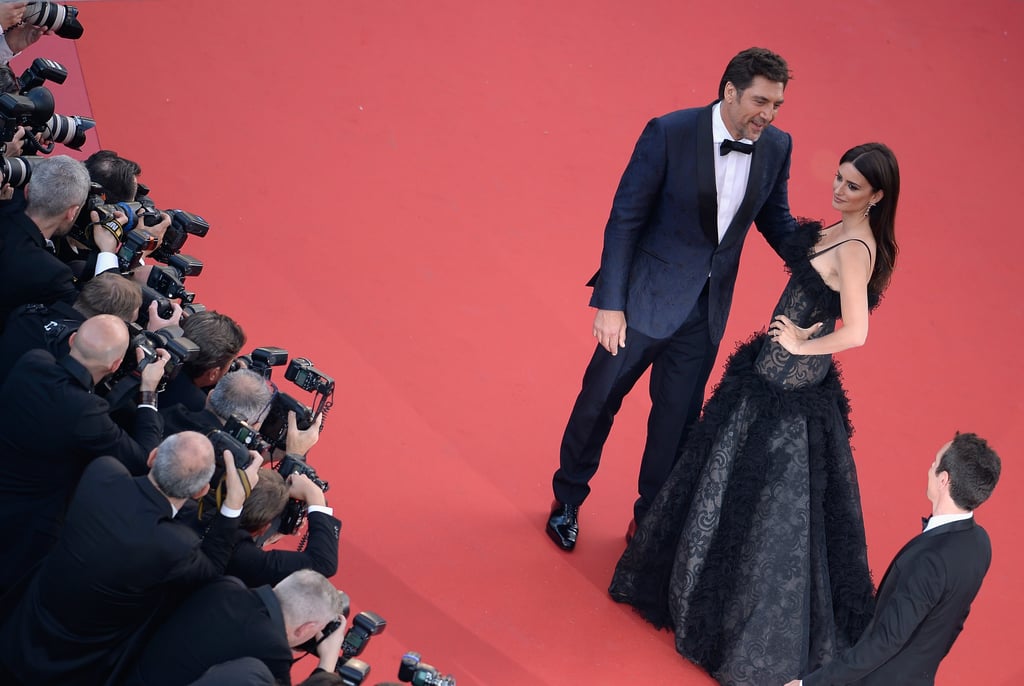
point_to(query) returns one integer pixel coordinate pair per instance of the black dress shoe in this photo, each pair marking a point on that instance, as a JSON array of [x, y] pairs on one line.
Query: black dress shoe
[[562, 525]]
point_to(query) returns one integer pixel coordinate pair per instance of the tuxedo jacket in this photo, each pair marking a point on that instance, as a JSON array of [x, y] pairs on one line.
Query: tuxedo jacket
[[923, 601], [120, 555], [52, 425], [29, 272], [661, 240], [220, 622]]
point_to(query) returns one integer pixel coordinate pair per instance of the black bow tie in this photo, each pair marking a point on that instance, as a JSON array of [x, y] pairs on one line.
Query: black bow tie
[[729, 145], [924, 522]]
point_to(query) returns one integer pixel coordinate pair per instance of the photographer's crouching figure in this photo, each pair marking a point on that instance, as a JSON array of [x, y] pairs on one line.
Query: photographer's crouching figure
[[225, 621]]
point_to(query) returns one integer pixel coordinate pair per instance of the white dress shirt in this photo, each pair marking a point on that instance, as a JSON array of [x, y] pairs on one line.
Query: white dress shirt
[[731, 172]]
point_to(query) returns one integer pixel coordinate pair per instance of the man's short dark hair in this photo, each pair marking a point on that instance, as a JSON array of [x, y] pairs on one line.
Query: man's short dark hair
[[115, 173], [973, 469], [219, 338], [752, 62], [267, 501], [110, 293]]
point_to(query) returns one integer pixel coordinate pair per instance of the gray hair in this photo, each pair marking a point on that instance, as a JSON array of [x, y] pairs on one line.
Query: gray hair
[[183, 465], [244, 393], [307, 596], [57, 183]]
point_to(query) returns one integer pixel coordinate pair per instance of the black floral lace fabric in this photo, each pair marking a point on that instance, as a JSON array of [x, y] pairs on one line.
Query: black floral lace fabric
[[754, 550]]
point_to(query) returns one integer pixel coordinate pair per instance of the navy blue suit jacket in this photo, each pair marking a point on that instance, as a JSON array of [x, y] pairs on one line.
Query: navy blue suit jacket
[[661, 240], [923, 601]]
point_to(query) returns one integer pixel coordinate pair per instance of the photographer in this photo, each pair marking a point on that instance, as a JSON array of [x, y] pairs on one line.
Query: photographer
[[256, 566], [29, 271], [225, 620], [117, 562], [52, 425], [243, 394], [220, 339], [50, 327]]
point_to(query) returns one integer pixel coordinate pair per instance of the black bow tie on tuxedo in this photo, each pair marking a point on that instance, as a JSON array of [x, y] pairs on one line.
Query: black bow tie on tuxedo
[[924, 522], [730, 145]]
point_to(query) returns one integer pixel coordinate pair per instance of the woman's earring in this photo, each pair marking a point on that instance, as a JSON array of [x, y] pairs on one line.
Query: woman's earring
[[867, 210]]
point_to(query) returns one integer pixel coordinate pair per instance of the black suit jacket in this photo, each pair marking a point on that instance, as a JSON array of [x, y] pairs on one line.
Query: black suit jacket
[[923, 600], [222, 621], [661, 240], [256, 566], [29, 272], [51, 425], [48, 327], [119, 555]]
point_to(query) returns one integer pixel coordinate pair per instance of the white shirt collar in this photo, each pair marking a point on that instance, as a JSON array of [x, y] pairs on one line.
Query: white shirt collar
[[939, 520]]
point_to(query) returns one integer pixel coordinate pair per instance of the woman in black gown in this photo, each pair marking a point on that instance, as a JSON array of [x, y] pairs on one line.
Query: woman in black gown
[[754, 550]]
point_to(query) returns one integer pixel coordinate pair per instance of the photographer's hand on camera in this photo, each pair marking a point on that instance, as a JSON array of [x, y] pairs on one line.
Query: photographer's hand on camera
[[236, 491], [158, 230], [298, 441], [156, 322], [103, 232], [329, 649], [153, 372], [301, 487], [13, 148]]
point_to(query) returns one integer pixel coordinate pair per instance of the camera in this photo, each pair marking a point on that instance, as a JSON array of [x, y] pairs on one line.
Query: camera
[[294, 513], [239, 429], [33, 109], [275, 425], [167, 282], [261, 360], [16, 171], [303, 374], [222, 441], [39, 72], [353, 672], [134, 245], [412, 671], [170, 338], [183, 225], [61, 19], [364, 626]]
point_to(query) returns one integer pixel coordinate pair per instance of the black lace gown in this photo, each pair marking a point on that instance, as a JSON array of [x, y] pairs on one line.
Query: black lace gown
[[754, 552]]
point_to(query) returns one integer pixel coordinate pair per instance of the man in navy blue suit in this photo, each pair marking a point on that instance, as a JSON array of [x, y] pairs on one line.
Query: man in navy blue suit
[[928, 589], [696, 181]]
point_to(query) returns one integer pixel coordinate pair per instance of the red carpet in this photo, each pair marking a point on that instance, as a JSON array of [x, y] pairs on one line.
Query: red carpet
[[413, 194]]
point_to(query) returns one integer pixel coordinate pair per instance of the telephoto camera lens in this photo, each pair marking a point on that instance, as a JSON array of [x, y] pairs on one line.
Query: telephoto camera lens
[[61, 19]]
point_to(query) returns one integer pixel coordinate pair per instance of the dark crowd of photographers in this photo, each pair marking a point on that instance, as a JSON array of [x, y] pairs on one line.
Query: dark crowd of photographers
[[149, 462]]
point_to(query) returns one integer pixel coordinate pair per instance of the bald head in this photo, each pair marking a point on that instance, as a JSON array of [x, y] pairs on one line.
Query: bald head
[[183, 464], [100, 343]]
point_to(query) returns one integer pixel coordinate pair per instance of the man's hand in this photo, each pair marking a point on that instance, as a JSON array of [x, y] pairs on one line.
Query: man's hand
[[329, 649], [156, 322], [20, 37], [158, 230], [154, 371], [235, 497], [11, 14], [15, 147], [610, 330], [104, 239], [6, 191], [298, 441], [301, 487]]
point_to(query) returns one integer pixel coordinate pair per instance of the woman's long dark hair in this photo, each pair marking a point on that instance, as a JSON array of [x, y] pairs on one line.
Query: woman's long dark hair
[[877, 164]]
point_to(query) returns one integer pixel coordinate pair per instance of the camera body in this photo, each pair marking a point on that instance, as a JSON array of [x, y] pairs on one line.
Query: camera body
[[275, 425], [413, 671], [262, 360], [364, 626], [240, 430], [222, 440], [294, 513], [303, 374]]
